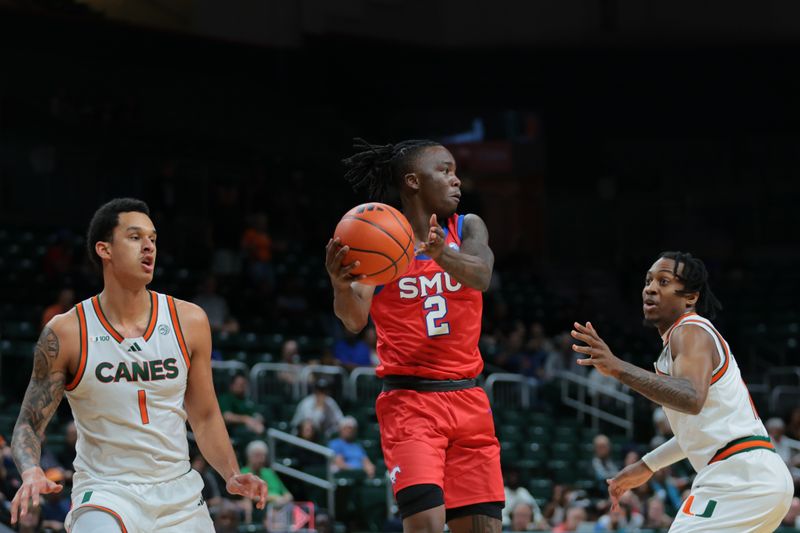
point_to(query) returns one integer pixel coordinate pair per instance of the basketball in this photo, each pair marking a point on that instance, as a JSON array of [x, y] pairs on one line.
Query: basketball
[[380, 237]]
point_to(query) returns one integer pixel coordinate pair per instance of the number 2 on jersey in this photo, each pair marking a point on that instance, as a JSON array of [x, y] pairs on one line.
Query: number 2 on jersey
[[436, 306]]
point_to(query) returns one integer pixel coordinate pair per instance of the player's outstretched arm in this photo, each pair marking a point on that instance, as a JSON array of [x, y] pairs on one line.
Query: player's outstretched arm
[[473, 264], [51, 357], [203, 411], [685, 390], [351, 300]]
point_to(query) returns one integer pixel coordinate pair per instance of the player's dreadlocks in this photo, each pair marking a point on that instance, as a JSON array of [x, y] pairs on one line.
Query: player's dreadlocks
[[695, 279], [379, 168]]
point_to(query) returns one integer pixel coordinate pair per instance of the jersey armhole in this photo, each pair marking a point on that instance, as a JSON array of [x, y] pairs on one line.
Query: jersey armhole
[[176, 327], [719, 344], [81, 315]]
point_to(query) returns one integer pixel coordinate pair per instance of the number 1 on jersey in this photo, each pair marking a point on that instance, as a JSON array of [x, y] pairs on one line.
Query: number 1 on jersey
[[436, 306], [143, 406]]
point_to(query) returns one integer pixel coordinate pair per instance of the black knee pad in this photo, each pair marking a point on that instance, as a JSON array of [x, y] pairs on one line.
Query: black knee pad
[[417, 498], [490, 509]]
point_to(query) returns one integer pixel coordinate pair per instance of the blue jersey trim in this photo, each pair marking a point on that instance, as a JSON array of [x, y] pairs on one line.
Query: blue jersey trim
[[378, 288], [460, 226]]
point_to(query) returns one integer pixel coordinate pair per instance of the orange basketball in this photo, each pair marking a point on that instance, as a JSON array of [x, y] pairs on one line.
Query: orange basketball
[[380, 237]]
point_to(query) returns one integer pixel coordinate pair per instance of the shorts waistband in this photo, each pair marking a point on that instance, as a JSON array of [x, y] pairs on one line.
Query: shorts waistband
[[745, 444], [427, 385]]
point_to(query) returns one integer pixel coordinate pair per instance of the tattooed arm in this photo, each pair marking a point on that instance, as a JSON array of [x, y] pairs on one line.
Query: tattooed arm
[[694, 358], [472, 265], [56, 349]]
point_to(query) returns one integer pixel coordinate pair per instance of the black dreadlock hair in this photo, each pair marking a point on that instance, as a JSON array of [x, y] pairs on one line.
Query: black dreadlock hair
[[379, 168], [695, 279]]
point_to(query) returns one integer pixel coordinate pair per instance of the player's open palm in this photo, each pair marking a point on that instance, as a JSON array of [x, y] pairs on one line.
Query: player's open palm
[[34, 483], [628, 478], [249, 486], [600, 355]]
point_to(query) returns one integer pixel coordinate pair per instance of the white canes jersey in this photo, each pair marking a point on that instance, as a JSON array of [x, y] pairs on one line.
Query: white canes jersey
[[127, 397], [728, 422]]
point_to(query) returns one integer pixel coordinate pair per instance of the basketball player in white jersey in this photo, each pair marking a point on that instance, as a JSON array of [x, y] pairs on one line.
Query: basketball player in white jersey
[[742, 485], [134, 365]]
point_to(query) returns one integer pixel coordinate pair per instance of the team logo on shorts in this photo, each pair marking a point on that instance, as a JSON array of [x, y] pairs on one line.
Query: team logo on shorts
[[393, 474], [710, 506], [163, 329]]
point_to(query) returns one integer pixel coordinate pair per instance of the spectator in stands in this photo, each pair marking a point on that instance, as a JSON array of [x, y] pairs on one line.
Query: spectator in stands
[[556, 509], [67, 454], [657, 518], [257, 454], [320, 408], [516, 494], [31, 522], [302, 456], [563, 359], [58, 257], [351, 351], [216, 307], [624, 517], [238, 410], [211, 491], [792, 518], [290, 355], [521, 517], [667, 488], [575, 516], [55, 506], [793, 425], [783, 444], [257, 247], [350, 454], [226, 517], [63, 303], [661, 428], [603, 466]]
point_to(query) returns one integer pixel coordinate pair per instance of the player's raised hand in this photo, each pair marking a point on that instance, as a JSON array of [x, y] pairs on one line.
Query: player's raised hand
[[249, 486], [600, 355], [34, 483], [630, 477], [341, 275], [435, 244]]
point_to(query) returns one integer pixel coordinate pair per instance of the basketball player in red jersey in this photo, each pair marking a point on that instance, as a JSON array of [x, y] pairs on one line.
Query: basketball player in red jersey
[[437, 431], [135, 365]]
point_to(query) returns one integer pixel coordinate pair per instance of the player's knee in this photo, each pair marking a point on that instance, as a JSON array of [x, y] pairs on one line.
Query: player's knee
[[417, 498], [96, 521]]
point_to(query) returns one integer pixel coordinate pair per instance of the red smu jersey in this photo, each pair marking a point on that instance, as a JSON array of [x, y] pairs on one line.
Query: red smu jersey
[[428, 324]]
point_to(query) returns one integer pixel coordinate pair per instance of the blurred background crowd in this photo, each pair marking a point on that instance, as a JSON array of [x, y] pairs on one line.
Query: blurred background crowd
[[590, 137]]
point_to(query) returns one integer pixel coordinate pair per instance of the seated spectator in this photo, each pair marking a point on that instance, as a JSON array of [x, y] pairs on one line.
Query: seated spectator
[[603, 466], [521, 517], [320, 408], [624, 517], [562, 359], [351, 351], [55, 505], [63, 303], [371, 338], [238, 411], [793, 426], [211, 490], [226, 517], [575, 516], [657, 518], [31, 522], [257, 454], [517, 494], [661, 428], [67, 454], [216, 307], [783, 445], [302, 456], [290, 355], [556, 509], [792, 518], [257, 248], [350, 455], [667, 489]]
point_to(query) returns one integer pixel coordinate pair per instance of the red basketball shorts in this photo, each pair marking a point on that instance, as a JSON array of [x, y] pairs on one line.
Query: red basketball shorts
[[442, 438]]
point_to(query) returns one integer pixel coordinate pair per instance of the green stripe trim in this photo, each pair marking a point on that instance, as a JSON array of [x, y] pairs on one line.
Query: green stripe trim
[[750, 450], [733, 443], [86, 496]]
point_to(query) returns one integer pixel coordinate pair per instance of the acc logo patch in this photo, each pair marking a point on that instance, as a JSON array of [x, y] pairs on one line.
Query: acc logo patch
[[163, 329]]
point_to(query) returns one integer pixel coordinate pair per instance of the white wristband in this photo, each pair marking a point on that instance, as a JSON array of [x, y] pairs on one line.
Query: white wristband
[[668, 453]]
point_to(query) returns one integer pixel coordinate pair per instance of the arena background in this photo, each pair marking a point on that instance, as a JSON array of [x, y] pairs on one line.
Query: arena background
[[590, 136]]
